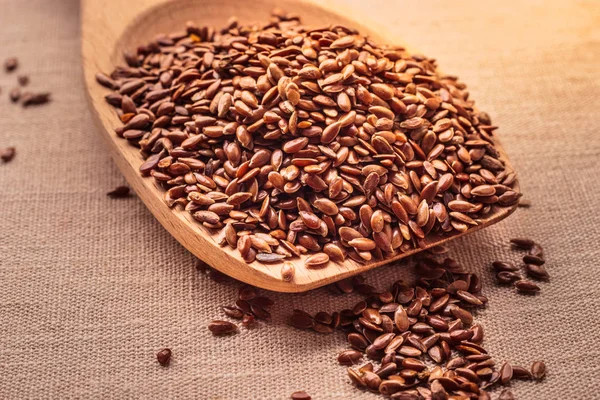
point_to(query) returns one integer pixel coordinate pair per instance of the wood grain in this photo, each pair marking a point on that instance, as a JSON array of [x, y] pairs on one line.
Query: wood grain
[[111, 26]]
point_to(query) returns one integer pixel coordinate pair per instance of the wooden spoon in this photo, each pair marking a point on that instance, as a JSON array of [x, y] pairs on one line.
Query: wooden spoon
[[111, 26]]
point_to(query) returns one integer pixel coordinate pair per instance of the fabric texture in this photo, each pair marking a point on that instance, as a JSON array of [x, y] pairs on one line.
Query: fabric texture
[[92, 288]]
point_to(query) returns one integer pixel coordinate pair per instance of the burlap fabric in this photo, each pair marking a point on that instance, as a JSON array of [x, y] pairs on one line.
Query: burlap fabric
[[91, 288]]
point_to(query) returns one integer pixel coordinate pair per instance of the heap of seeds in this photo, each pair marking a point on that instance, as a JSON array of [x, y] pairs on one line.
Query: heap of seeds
[[292, 140], [420, 338]]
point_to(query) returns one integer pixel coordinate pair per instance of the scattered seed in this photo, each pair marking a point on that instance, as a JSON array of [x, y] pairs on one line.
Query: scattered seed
[[349, 357], [530, 259], [507, 277], [222, 328], [521, 373], [522, 243], [506, 373], [537, 271], [29, 98], [301, 320], [7, 154], [23, 80], [500, 266], [525, 286], [233, 312], [537, 250], [10, 64], [164, 357], [300, 395], [15, 94], [524, 203], [119, 192], [248, 320], [538, 370], [506, 394]]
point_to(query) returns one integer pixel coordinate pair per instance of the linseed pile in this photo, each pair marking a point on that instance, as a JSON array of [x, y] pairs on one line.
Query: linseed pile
[[417, 341], [420, 339], [290, 140]]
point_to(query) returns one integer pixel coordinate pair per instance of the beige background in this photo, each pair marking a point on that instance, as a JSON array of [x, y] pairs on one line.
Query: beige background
[[91, 288]]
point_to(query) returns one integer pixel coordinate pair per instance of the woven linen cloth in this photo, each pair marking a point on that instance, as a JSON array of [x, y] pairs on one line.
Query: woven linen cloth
[[92, 287]]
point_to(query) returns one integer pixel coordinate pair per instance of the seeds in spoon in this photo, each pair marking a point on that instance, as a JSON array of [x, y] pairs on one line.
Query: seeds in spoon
[[301, 130], [287, 272]]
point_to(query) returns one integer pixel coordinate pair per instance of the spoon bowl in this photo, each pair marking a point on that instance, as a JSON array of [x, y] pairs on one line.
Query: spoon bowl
[[111, 26]]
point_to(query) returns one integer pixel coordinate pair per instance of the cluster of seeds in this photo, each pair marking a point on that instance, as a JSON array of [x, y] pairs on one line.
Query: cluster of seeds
[[420, 338], [508, 273], [248, 308], [292, 140], [27, 98]]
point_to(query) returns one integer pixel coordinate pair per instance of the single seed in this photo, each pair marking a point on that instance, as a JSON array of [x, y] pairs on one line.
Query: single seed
[[287, 272], [506, 277], [349, 357], [538, 370], [233, 312], [401, 319], [301, 320], [23, 80], [10, 64], [537, 271], [530, 259], [29, 98], [506, 394], [164, 357], [222, 328], [522, 243], [504, 266], [7, 154], [316, 260], [506, 373], [300, 395], [521, 373], [15, 94], [119, 192], [525, 286]]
